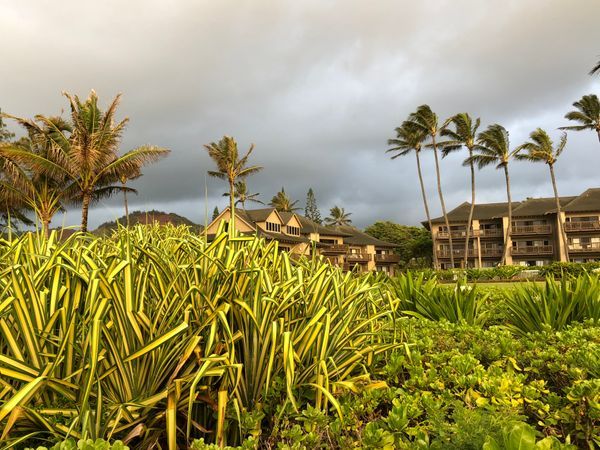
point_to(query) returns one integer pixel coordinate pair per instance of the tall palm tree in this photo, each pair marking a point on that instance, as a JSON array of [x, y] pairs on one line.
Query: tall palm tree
[[463, 135], [410, 139], [45, 194], [124, 178], [242, 195], [87, 155], [541, 149], [587, 113], [281, 202], [493, 147], [338, 217], [230, 167], [426, 120]]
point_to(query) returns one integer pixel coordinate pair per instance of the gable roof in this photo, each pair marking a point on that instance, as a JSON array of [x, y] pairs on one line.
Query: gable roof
[[481, 211], [588, 201], [540, 206], [257, 215], [308, 226]]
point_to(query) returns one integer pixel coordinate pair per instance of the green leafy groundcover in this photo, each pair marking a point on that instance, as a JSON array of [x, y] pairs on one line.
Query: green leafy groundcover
[[153, 338]]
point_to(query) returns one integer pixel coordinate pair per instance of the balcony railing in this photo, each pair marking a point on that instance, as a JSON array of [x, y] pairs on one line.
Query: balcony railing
[[491, 232], [387, 258], [491, 251], [456, 234], [582, 226], [531, 229], [358, 257], [532, 250], [444, 253], [586, 247], [336, 249]]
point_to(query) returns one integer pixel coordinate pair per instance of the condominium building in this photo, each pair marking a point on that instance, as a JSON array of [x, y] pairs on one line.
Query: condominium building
[[346, 246], [535, 238]]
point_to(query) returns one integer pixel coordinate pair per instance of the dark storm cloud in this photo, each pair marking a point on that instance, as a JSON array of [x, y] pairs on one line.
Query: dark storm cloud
[[318, 86]]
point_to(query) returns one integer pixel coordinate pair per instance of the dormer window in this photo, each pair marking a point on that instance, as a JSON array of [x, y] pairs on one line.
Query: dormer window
[[294, 231], [275, 227]]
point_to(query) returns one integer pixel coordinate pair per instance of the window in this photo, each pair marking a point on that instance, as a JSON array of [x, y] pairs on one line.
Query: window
[[271, 226], [295, 231]]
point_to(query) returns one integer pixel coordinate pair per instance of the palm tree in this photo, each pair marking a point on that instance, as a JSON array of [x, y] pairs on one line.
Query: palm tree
[[281, 202], [541, 149], [242, 196], [338, 217], [595, 69], [587, 113], [87, 155], [493, 147], [124, 178], [43, 193], [463, 135], [425, 120], [410, 139], [230, 167]]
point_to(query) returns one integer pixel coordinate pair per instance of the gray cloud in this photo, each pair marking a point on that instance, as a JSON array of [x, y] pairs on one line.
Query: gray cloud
[[317, 85]]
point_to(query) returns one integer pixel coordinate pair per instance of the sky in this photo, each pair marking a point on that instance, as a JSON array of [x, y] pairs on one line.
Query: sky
[[318, 87]]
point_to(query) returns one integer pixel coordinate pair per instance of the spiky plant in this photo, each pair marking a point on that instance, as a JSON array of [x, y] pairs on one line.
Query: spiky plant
[[230, 167], [464, 135], [587, 113], [425, 120], [493, 148], [410, 139], [540, 148], [338, 217]]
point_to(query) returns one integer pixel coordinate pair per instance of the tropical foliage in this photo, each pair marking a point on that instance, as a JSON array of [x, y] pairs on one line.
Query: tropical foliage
[[338, 217], [283, 203]]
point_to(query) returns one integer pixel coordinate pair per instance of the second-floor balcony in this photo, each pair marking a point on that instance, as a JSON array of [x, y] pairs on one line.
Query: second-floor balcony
[[491, 232], [582, 226], [456, 234], [585, 247], [387, 258], [335, 249], [532, 250], [494, 251], [445, 252], [358, 257], [531, 229]]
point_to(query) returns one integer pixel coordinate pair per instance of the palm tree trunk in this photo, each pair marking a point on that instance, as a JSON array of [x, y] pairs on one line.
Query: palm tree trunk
[[442, 203], [470, 220], [231, 225], [435, 260], [598, 134], [126, 206], [84, 211], [561, 228], [509, 228], [46, 227]]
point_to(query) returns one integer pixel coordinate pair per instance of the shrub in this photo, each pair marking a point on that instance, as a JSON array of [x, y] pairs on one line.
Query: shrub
[[533, 307]]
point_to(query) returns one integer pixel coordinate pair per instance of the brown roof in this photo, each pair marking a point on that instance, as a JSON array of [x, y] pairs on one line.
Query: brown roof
[[481, 211], [308, 226], [358, 237], [588, 201], [255, 215], [539, 206]]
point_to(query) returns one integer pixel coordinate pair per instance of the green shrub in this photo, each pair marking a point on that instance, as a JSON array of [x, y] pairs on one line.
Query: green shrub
[[432, 301], [533, 307], [564, 269], [87, 444]]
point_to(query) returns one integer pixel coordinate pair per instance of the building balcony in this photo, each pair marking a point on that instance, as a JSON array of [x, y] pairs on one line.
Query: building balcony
[[491, 251], [387, 258], [531, 229], [582, 226], [358, 258], [491, 232], [335, 249], [532, 250], [587, 247], [457, 252], [456, 234]]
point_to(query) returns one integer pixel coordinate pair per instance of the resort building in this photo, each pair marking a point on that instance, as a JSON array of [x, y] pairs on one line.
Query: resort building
[[345, 246], [535, 238]]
